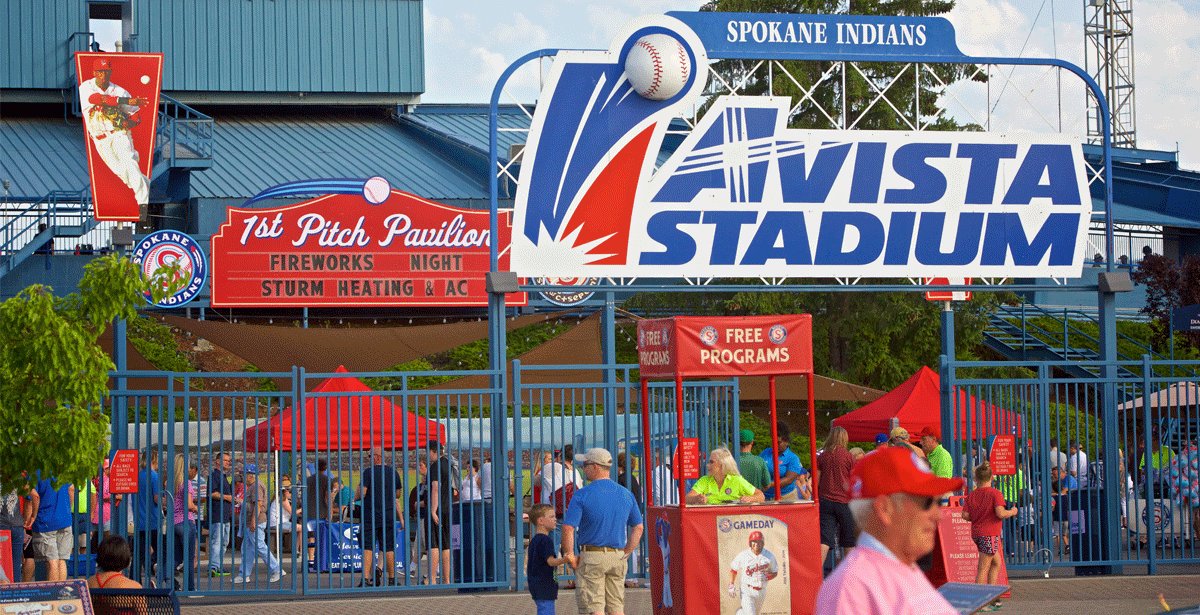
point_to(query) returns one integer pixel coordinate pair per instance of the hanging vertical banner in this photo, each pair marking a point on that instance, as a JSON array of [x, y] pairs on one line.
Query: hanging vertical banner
[[118, 96], [360, 244]]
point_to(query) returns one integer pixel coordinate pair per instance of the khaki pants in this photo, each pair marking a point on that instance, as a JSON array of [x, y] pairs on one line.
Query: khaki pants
[[600, 581]]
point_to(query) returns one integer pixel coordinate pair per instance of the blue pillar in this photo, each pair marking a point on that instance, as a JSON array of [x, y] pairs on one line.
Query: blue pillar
[[1108, 403], [945, 376], [608, 356]]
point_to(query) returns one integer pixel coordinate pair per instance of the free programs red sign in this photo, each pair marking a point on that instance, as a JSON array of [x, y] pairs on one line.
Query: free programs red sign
[[341, 250], [728, 345]]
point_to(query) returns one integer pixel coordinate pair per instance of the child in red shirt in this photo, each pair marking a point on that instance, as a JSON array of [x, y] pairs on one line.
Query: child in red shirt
[[984, 508]]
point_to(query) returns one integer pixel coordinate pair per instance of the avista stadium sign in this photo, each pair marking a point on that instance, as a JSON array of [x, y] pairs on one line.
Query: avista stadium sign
[[744, 195]]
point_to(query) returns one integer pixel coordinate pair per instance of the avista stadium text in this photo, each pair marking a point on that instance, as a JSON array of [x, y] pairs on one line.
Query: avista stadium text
[[888, 204]]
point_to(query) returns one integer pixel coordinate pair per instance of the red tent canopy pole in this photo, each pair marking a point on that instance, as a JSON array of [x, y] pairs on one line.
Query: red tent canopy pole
[[647, 454], [812, 435], [775, 437], [679, 429]]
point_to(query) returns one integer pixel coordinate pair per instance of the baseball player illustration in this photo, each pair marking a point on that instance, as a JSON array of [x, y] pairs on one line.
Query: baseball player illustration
[[757, 566], [109, 112], [663, 536]]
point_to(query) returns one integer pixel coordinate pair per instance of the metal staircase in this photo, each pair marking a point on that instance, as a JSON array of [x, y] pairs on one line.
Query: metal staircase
[[183, 140], [1012, 333]]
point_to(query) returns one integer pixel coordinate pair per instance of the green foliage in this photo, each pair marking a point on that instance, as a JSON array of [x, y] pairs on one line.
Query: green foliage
[[1169, 285], [396, 383], [265, 384], [876, 339], [54, 376], [156, 343]]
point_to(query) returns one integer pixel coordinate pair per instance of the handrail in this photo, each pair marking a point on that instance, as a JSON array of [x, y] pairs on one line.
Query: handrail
[[20, 236], [182, 129], [1065, 316]]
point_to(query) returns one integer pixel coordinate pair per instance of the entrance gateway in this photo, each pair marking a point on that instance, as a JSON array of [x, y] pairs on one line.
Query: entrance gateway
[[610, 186]]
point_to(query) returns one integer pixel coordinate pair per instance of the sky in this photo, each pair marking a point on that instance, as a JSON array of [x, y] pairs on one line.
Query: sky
[[468, 44]]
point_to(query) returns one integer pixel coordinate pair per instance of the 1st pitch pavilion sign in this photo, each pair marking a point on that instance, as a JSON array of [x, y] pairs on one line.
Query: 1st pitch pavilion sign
[[341, 250]]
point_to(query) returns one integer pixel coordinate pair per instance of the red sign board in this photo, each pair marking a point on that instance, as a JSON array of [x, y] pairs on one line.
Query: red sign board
[[689, 458], [729, 345], [7, 574], [955, 556], [341, 250], [118, 95], [947, 295], [123, 474], [1002, 455]]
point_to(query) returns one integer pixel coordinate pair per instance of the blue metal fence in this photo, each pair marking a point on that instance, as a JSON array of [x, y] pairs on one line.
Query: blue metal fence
[[1086, 495]]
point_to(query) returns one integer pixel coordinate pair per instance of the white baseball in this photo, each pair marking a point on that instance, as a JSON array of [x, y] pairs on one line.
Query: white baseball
[[145, 79], [376, 190], [658, 66]]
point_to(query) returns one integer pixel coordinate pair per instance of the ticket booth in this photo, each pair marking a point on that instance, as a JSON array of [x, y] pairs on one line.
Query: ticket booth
[[697, 552]]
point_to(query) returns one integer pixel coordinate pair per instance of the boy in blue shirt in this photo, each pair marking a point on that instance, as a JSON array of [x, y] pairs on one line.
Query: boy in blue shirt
[[542, 559]]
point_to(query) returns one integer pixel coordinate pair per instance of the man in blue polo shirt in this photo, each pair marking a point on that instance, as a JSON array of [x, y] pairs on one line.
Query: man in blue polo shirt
[[600, 512], [52, 535], [790, 467], [147, 514]]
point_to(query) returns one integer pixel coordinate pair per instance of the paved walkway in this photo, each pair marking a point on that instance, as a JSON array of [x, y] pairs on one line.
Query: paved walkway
[[1066, 596]]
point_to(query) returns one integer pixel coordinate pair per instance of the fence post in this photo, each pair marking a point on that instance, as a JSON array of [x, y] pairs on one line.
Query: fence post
[[518, 480]]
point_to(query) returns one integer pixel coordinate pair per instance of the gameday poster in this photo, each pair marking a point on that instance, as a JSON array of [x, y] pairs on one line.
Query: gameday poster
[[46, 598], [367, 246], [118, 97], [757, 570]]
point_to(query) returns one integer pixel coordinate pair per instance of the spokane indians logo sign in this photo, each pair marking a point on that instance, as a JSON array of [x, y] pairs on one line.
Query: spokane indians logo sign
[[166, 248]]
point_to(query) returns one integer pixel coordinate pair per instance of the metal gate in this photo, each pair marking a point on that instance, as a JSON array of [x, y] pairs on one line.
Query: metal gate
[[1098, 485], [307, 534]]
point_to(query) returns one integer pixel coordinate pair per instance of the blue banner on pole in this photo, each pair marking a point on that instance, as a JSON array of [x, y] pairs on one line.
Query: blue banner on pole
[[755, 35]]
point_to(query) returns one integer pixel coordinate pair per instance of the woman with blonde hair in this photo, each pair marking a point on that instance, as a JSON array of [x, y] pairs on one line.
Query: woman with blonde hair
[[833, 492], [185, 517], [723, 484]]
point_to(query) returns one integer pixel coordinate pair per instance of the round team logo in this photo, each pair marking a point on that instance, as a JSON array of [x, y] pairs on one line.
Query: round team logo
[[166, 248], [725, 525], [1162, 517], [708, 336], [666, 336], [777, 334], [728, 491], [566, 298]]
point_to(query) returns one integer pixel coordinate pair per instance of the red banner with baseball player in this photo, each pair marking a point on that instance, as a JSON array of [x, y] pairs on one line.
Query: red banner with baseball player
[[367, 245], [118, 95], [758, 559], [725, 346]]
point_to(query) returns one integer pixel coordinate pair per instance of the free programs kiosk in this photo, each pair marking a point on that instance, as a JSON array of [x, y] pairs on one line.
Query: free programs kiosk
[[696, 552]]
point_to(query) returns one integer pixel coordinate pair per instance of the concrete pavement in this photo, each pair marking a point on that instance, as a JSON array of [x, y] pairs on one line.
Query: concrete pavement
[[1031, 596]]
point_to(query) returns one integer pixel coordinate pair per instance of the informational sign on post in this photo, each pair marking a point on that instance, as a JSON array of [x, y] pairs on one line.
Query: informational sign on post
[[46, 597], [689, 458], [1002, 455], [123, 474]]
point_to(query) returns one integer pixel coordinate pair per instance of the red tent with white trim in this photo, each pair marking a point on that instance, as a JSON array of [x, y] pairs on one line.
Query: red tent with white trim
[[916, 404], [354, 421]]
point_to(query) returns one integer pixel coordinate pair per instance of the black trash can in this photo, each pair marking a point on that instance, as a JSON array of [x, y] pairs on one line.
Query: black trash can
[[1087, 525], [474, 548]]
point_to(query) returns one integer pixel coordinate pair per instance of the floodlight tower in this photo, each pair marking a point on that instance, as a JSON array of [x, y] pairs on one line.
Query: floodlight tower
[[1108, 58]]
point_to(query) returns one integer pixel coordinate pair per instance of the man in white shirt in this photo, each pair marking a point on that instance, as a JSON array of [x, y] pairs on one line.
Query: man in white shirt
[[1057, 458], [662, 483], [109, 113], [1077, 464]]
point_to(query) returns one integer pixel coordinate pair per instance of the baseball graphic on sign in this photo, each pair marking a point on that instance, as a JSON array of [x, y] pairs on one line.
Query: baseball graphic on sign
[[145, 79], [658, 66], [754, 574], [376, 190]]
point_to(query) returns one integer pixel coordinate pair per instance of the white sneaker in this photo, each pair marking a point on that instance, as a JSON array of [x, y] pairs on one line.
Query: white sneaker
[[275, 577], [239, 579]]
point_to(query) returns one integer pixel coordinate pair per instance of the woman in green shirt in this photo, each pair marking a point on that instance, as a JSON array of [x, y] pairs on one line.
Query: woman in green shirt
[[723, 484]]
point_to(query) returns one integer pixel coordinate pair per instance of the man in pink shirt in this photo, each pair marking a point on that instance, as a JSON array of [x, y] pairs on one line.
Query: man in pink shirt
[[895, 500]]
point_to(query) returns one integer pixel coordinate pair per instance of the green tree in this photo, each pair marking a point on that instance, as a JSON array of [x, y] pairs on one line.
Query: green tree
[[54, 374], [1169, 285]]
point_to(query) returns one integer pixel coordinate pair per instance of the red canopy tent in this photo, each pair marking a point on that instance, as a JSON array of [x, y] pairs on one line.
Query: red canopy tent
[[350, 422], [916, 404]]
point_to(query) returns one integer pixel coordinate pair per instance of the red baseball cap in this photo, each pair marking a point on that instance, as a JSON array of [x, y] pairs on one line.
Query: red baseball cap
[[102, 64], [931, 431], [897, 469], [756, 535]]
